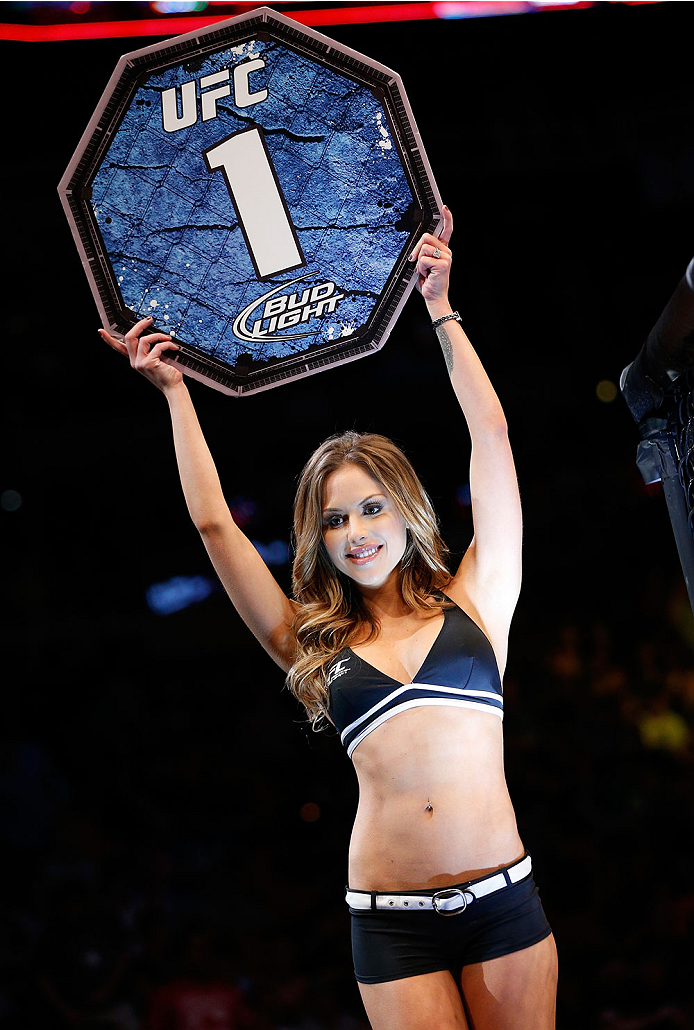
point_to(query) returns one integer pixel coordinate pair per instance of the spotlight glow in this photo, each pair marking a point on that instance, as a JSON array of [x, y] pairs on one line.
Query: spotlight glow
[[178, 6], [178, 593], [10, 500], [606, 391], [309, 812]]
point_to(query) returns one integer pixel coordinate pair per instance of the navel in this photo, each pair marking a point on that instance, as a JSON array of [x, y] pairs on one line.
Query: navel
[[429, 807]]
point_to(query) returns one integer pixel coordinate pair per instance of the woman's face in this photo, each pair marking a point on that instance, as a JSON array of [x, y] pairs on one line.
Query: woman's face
[[364, 532]]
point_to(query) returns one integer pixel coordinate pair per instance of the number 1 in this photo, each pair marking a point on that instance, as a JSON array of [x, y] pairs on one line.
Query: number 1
[[257, 196]]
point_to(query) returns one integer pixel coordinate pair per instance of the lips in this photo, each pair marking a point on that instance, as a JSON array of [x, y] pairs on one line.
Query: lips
[[362, 555]]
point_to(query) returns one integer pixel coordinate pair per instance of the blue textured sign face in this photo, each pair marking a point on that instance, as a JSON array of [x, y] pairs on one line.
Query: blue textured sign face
[[256, 200], [175, 236]]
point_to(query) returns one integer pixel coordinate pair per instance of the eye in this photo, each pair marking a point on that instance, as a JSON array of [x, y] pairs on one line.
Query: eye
[[373, 509], [334, 521]]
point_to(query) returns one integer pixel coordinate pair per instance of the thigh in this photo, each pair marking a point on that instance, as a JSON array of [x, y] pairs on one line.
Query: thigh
[[513, 992], [430, 1001]]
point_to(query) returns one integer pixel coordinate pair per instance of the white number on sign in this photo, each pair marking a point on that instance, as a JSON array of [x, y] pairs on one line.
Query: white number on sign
[[260, 205]]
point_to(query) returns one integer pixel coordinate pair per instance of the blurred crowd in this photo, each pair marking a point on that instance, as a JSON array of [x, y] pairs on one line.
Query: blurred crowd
[[177, 863], [600, 755]]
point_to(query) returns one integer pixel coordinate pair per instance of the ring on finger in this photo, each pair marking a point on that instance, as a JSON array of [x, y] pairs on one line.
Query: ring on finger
[[437, 253]]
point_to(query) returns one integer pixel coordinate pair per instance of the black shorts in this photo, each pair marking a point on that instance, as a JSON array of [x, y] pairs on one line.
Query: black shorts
[[392, 945]]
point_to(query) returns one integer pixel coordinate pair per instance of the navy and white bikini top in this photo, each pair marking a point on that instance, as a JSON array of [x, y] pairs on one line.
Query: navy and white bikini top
[[460, 670]]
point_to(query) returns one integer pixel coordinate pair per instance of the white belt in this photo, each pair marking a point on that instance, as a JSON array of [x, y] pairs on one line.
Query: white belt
[[449, 901]]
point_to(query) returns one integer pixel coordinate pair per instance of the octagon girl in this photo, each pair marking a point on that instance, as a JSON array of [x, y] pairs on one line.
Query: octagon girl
[[447, 926]]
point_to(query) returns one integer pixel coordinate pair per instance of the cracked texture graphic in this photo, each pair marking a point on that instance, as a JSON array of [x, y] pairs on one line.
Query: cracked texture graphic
[[176, 241]]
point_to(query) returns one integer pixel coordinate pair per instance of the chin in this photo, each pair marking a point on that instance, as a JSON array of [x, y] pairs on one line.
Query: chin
[[372, 578]]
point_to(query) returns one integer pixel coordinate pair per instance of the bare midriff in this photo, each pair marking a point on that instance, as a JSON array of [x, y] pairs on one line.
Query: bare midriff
[[434, 808]]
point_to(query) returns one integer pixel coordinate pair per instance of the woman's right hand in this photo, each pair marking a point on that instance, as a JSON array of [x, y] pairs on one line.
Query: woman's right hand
[[145, 354]]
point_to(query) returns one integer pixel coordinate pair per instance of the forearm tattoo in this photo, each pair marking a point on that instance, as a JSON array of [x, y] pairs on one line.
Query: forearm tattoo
[[446, 347]]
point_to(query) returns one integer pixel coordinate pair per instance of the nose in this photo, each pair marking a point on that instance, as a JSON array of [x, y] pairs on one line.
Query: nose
[[357, 531]]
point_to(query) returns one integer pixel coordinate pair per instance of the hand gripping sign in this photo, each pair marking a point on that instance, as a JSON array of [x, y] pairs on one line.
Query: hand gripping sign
[[256, 188]]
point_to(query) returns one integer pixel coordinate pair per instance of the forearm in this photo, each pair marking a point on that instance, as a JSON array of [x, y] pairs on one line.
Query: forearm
[[475, 393], [253, 590], [201, 487], [489, 574]]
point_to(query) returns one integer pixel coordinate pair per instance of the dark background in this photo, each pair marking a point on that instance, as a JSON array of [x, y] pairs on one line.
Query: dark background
[[154, 771]]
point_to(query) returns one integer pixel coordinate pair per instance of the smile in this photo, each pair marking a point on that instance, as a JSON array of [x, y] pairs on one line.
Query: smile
[[361, 555]]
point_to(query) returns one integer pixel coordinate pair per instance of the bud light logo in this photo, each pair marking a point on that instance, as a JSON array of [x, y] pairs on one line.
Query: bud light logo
[[284, 308]]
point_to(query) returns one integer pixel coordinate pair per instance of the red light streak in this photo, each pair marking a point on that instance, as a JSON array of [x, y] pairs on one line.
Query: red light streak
[[363, 15], [174, 26], [105, 29]]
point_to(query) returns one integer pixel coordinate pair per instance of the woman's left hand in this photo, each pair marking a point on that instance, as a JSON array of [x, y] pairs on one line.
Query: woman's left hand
[[433, 260]]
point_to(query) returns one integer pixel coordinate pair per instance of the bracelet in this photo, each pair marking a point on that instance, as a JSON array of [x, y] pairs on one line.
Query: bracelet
[[444, 318]]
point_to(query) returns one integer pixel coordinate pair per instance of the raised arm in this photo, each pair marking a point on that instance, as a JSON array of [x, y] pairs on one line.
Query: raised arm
[[489, 575], [255, 593]]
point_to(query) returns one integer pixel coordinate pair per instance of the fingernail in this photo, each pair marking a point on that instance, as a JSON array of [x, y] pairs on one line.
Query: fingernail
[[411, 257], [446, 207]]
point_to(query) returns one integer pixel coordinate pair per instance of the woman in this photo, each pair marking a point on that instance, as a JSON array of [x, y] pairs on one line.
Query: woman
[[405, 660]]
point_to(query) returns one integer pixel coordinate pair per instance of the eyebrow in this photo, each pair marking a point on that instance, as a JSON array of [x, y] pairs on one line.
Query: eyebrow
[[367, 500]]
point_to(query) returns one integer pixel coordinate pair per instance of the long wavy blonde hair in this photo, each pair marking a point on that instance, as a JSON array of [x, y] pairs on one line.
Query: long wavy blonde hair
[[333, 612]]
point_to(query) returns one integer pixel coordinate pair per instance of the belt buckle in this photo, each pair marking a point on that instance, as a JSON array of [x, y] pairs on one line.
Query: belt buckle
[[446, 895]]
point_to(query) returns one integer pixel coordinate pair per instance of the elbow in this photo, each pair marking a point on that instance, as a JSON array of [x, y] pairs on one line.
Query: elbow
[[206, 527], [494, 429], [491, 438], [212, 524]]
